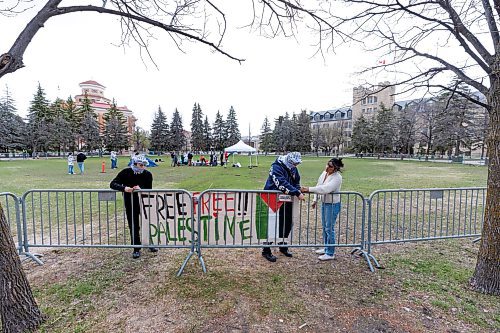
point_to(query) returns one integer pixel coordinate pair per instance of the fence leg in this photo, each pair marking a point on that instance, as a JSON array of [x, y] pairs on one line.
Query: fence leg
[[368, 257], [202, 263], [200, 258], [181, 270], [33, 256]]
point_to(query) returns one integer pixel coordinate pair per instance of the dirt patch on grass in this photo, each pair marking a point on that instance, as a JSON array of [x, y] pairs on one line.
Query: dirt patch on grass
[[422, 289]]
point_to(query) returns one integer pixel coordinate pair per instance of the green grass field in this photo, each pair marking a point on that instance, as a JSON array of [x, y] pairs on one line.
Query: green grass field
[[360, 175], [424, 287]]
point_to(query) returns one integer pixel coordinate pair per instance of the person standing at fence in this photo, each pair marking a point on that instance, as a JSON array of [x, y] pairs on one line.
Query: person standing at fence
[[329, 182], [80, 160], [114, 160], [70, 164], [127, 181], [284, 176]]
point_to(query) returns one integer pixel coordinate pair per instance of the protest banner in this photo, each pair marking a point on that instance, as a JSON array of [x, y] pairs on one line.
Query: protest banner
[[225, 217]]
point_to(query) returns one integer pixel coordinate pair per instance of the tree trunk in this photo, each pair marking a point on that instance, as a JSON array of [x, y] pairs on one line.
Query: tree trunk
[[18, 309], [486, 278]]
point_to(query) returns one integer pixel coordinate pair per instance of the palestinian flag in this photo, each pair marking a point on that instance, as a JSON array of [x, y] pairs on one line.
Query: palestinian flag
[[267, 215]]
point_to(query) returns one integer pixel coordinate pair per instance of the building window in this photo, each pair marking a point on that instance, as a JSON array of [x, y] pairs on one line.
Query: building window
[[369, 110], [363, 101], [363, 110], [325, 125], [375, 99]]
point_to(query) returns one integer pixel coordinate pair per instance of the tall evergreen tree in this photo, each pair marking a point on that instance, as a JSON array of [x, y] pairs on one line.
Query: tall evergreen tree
[[89, 131], [406, 137], [73, 117], [39, 119], [60, 128], [12, 127], [266, 136], [177, 138], [362, 135], [159, 138], [385, 130], [302, 132], [197, 135], [282, 133], [207, 135], [115, 135], [219, 132], [233, 131]]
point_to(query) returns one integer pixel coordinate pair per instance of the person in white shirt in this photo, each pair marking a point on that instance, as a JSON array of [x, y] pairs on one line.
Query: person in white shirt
[[70, 164], [329, 183]]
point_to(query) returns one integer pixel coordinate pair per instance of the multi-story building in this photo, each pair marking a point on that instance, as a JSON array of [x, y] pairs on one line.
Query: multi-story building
[[423, 113], [335, 127], [367, 101], [100, 104]]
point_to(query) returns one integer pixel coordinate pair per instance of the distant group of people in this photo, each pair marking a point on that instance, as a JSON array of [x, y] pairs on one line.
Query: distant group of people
[[283, 176], [187, 159]]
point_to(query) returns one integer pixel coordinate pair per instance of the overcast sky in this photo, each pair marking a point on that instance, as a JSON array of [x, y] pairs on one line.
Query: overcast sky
[[278, 76]]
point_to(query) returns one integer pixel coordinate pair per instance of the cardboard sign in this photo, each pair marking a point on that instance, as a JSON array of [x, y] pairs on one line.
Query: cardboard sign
[[225, 217]]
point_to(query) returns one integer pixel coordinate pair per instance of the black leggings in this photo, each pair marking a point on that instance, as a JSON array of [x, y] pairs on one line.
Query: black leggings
[[134, 222]]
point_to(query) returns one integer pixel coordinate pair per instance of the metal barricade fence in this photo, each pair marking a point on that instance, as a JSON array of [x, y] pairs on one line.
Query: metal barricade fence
[[233, 218], [11, 208], [408, 215], [97, 218], [229, 218]]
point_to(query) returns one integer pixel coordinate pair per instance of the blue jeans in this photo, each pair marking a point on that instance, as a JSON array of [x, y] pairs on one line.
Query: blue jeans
[[329, 212], [81, 167], [70, 169], [113, 164]]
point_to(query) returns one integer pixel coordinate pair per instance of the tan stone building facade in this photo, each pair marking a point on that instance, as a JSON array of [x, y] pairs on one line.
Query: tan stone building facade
[[367, 101]]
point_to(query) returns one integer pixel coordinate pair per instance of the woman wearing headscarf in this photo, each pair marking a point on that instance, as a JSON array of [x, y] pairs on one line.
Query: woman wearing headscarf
[[284, 177], [329, 182]]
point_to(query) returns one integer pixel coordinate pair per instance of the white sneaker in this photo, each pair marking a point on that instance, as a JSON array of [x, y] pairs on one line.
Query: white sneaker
[[320, 251], [325, 257]]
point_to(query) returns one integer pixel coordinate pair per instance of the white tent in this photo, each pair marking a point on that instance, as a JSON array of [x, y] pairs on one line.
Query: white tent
[[241, 147]]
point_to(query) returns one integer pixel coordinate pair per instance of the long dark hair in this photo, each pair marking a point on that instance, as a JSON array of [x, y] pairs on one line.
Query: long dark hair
[[337, 163]]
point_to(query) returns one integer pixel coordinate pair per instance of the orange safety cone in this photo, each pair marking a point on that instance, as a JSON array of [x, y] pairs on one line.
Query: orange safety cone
[[103, 167]]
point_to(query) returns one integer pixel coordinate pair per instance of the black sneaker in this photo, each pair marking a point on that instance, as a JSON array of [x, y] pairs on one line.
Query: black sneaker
[[153, 249], [136, 254], [286, 253], [269, 256]]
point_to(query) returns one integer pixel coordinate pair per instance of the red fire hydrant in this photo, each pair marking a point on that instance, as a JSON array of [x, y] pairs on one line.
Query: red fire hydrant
[[103, 167]]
